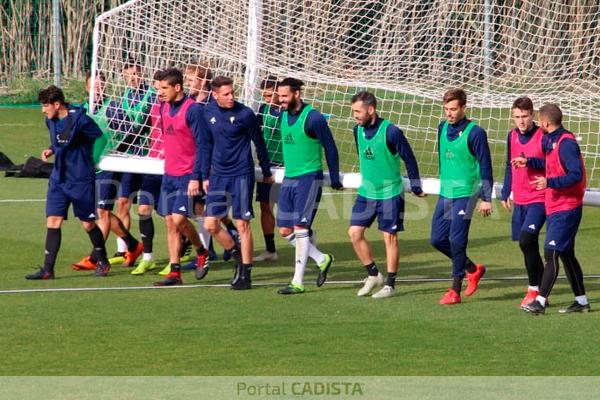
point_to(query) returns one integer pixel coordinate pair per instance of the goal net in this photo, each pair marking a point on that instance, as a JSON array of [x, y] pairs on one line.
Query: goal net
[[409, 52]]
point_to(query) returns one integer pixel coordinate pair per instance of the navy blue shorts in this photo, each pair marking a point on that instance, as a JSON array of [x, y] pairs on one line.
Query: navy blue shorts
[[173, 196], [267, 193], [389, 213], [298, 200], [61, 195], [528, 218], [107, 187], [149, 192], [561, 228], [130, 184], [230, 191]]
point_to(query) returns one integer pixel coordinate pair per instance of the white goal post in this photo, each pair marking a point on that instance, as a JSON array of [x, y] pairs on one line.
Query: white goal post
[[408, 52]]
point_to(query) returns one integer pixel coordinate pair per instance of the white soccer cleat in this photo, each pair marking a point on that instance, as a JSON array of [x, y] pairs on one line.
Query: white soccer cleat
[[384, 293], [370, 283], [266, 256]]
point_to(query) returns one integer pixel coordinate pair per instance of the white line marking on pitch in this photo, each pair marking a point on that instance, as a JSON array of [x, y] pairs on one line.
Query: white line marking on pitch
[[22, 200]]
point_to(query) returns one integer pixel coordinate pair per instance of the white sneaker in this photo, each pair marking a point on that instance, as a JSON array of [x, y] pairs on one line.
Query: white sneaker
[[370, 283], [385, 292], [266, 256]]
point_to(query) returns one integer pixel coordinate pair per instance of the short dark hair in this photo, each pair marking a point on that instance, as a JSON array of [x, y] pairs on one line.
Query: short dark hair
[[294, 84], [367, 98], [552, 113], [52, 94], [523, 103], [132, 63], [221, 81], [456, 94], [158, 74], [270, 82], [173, 76]]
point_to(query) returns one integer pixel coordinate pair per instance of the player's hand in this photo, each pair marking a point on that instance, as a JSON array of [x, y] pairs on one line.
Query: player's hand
[[485, 208], [507, 204], [193, 188], [268, 180], [205, 185], [337, 186], [519, 162], [540, 183], [420, 194], [45, 154]]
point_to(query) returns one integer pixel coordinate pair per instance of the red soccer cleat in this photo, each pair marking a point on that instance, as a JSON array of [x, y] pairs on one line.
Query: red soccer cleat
[[131, 256], [473, 279], [529, 297], [85, 264], [450, 298], [173, 279]]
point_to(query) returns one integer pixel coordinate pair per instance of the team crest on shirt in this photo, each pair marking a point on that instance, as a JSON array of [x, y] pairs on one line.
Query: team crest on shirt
[[232, 119], [213, 120], [368, 154]]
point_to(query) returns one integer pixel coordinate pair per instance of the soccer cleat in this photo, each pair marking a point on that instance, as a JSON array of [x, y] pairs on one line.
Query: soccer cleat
[[143, 267], [85, 264], [292, 288], [166, 270], [370, 283], [172, 279], [132, 256], [266, 256], [529, 297], [535, 307], [118, 258], [384, 293], [244, 281], [202, 265], [450, 298], [102, 269], [575, 307], [191, 266], [473, 279], [324, 269], [41, 274]]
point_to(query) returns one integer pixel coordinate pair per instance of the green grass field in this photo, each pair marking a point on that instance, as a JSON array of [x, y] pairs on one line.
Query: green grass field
[[211, 330]]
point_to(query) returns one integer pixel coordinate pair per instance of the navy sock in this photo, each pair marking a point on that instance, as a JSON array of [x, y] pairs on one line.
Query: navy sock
[[176, 267], [457, 283], [372, 269], [53, 239], [97, 240], [391, 279], [270, 242], [147, 232]]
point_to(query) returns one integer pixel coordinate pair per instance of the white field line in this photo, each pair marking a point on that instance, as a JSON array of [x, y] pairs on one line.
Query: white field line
[[22, 200], [227, 286]]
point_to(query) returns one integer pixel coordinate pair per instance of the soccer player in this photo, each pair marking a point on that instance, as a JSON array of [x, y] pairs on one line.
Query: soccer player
[[181, 123], [380, 145], [72, 136], [465, 175], [564, 186], [228, 172], [136, 103], [304, 132], [106, 185], [267, 194], [529, 214]]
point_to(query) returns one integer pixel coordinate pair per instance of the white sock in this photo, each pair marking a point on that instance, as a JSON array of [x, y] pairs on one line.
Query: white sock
[[147, 257], [203, 233], [315, 254], [536, 288], [291, 238], [121, 245], [582, 300], [542, 300], [302, 247]]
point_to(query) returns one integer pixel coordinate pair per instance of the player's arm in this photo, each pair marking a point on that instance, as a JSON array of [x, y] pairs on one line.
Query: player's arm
[[46, 153], [570, 157], [507, 185], [397, 143], [195, 122], [88, 127], [478, 145], [317, 127], [206, 150], [260, 146]]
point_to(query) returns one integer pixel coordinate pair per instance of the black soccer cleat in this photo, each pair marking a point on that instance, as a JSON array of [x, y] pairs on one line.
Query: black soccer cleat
[[41, 274], [243, 281], [173, 279], [102, 269], [575, 307], [535, 307]]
